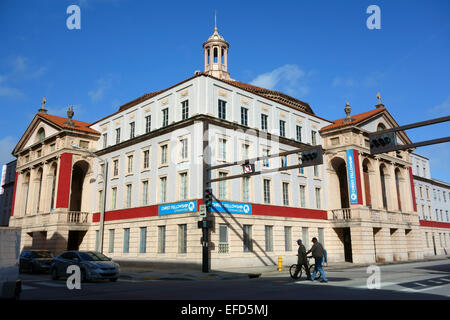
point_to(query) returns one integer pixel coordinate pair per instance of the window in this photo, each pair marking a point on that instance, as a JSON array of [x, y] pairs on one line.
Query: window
[[105, 140], [161, 239], [185, 110], [266, 191], [117, 135], [114, 198], [223, 192], [132, 130], [128, 201], [287, 238], [247, 239], [301, 170], [313, 137], [222, 149], [100, 200], [84, 144], [282, 128], [321, 236], [183, 186], [143, 240], [264, 122], [184, 149], [111, 241], [269, 238], [115, 167], [182, 238], [302, 196], [130, 164], [284, 162], [299, 133], [163, 189], [318, 201], [165, 117], [285, 193], [266, 162], [164, 153], [246, 189], [126, 240], [146, 162], [244, 116], [222, 109], [421, 192], [305, 236], [316, 171], [144, 193], [148, 124], [223, 239], [53, 147]]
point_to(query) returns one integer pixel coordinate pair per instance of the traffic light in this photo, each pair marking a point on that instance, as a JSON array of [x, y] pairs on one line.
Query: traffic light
[[381, 143], [208, 199], [312, 157]]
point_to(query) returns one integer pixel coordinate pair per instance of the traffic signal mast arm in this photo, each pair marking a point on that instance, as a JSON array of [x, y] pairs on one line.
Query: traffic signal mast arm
[[386, 140], [310, 157]]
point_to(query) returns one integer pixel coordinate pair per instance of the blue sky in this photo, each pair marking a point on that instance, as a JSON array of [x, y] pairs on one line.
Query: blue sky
[[318, 51]]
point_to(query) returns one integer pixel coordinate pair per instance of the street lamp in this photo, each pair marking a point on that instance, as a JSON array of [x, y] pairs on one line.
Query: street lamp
[[104, 175]]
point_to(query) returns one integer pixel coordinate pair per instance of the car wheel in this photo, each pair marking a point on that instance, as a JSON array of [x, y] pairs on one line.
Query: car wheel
[[113, 279], [54, 274]]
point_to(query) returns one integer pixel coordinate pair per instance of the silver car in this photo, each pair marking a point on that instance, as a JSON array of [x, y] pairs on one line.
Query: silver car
[[93, 265]]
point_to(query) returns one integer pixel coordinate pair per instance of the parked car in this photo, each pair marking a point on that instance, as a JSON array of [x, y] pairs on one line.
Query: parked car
[[35, 261], [93, 265], [10, 284]]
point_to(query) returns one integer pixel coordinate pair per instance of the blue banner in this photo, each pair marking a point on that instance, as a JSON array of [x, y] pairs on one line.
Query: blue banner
[[179, 207], [231, 207], [352, 177]]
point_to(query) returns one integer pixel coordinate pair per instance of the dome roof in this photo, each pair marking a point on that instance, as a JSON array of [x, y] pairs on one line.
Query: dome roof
[[215, 37]]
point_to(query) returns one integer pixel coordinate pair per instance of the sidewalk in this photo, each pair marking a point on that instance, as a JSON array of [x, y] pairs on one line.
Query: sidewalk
[[142, 274]]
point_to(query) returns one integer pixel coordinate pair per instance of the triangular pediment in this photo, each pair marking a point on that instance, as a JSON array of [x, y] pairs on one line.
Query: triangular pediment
[[33, 134]]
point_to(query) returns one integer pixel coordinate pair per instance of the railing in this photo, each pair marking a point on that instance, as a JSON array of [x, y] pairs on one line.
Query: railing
[[77, 217], [342, 214]]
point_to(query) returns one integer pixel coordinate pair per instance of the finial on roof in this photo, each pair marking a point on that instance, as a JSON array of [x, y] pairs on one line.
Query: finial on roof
[[348, 110], [215, 19], [379, 105], [42, 109], [70, 114]]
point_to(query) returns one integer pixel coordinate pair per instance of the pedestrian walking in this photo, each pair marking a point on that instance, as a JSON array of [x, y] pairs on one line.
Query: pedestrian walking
[[302, 260], [318, 253]]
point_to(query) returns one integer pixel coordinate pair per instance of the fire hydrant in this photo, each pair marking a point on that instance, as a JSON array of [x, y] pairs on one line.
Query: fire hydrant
[[280, 263]]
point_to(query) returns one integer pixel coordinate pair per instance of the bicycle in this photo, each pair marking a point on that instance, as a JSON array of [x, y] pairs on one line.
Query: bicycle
[[299, 275]]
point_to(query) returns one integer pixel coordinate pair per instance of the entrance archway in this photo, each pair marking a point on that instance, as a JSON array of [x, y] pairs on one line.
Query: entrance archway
[[79, 172], [340, 168]]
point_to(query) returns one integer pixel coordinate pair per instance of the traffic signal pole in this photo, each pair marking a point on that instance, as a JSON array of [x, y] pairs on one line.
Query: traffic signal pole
[[205, 186]]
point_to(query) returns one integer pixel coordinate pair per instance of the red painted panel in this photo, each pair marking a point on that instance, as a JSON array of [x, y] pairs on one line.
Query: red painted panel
[[257, 209], [14, 194], [434, 224], [65, 175], [358, 176], [413, 192]]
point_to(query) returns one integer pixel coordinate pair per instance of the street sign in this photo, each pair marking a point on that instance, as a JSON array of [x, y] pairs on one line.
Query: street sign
[[248, 168], [203, 211]]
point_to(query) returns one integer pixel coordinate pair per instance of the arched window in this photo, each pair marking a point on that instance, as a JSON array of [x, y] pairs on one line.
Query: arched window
[[381, 127], [397, 186], [216, 55], [41, 134], [383, 186]]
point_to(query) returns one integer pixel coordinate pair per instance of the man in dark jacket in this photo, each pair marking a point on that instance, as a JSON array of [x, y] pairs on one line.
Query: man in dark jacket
[[318, 253], [302, 260]]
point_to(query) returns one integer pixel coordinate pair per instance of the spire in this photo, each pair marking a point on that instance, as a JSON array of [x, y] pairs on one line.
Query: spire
[[215, 20], [42, 109]]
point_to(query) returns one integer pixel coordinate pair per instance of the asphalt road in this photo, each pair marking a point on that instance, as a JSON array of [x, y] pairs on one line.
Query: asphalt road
[[422, 281]]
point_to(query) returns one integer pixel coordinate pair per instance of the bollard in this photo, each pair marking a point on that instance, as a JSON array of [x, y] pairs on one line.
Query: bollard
[[280, 263]]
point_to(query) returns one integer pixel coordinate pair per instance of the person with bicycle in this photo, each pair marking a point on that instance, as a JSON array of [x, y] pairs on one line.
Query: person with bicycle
[[318, 253], [302, 260]]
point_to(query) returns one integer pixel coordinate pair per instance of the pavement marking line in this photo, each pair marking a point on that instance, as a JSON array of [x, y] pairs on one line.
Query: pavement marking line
[[424, 289], [420, 284]]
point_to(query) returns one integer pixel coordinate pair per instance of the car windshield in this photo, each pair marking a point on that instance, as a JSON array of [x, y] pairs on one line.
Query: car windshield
[[93, 256], [42, 254]]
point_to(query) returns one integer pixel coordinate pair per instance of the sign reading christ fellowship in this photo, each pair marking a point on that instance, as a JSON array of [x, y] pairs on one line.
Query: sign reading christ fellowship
[[179, 207], [351, 173], [231, 207]]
